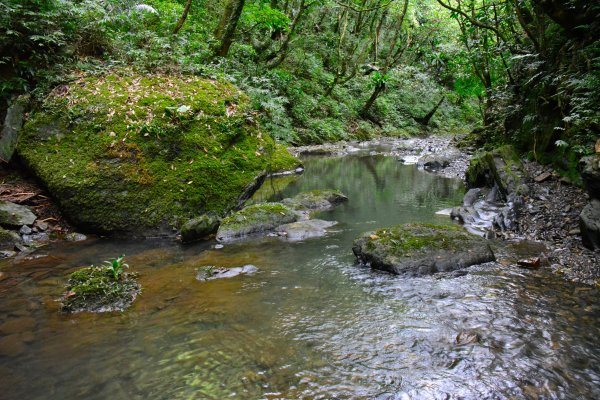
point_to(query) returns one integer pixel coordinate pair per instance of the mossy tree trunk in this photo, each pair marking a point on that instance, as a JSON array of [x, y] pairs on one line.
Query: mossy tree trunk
[[183, 17], [226, 28]]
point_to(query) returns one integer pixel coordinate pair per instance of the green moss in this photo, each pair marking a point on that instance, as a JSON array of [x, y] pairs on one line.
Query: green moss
[[258, 213], [95, 289], [501, 166], [126, 153], [401, 240]]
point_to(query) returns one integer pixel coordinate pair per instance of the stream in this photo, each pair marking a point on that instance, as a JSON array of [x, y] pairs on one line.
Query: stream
[[311, 324]]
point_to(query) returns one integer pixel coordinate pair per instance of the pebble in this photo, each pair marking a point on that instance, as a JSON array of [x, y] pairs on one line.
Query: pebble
[[25, 230]]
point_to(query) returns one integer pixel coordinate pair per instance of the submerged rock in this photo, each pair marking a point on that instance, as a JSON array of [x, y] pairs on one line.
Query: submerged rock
[[421, 249], [199, 228], [14, 215], [95, 289], [301, 230], [254, 219], [124, 153], [211, 272]]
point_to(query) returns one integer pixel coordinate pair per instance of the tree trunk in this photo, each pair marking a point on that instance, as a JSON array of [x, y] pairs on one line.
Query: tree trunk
[[425, 120], [378, 90], [228, 23], [183, 17]]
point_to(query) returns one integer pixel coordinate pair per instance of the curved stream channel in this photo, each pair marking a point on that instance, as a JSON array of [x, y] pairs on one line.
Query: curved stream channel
[[311, 324]]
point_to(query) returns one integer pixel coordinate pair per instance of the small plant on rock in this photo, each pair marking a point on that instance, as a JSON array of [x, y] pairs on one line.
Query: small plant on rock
[[116, 266]]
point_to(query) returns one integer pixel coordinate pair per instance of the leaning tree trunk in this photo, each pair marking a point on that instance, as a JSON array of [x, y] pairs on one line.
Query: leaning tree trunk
[[183, 17], [229, 23], [378, 90], [425, 120]]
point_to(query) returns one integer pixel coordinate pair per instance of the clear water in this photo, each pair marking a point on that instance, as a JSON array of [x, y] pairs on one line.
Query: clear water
[[311, 324]]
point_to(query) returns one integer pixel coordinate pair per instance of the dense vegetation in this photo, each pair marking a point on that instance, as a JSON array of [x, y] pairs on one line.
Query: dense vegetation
[[526, 71]]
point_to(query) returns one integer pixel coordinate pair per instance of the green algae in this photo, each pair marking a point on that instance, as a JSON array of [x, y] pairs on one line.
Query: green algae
[[143, 154]]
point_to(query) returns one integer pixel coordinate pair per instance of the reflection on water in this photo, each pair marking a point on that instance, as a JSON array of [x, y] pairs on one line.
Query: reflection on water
[[311, 324]]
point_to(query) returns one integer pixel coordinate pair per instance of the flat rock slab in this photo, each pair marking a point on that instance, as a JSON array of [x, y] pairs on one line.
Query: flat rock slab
[[421, 249], [301, 230], [317, 200], [210, 273], [14, 215], [257, 218]]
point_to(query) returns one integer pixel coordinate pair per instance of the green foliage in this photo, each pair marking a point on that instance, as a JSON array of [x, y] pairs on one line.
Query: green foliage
[[115, 266]]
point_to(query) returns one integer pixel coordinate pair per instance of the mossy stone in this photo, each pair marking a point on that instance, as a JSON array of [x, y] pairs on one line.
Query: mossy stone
[[199, 228], [95, 289], [141, 154], [421, 249], [501, 167], [255, 219], [317, 199]]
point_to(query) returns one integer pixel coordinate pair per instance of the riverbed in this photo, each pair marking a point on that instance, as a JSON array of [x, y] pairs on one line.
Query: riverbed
[[311, 324]]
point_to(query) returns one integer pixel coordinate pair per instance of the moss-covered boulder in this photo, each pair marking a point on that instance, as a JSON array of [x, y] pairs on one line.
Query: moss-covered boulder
[[501, 167], [142, 154], [95, 289], [421, 249], [255, 219], [316, 200], [200, 227]]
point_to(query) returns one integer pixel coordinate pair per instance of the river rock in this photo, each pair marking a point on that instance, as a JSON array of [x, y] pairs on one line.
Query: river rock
[[301, 230], [132, 154], [317, 200], [255, 219], [421, 249], [471, 196], [14, 215], [500, 167], [199, 228], [94, 289], [8, 240], [11, 128], [75, 237], [590, 173], [210, 273], [589, 224]]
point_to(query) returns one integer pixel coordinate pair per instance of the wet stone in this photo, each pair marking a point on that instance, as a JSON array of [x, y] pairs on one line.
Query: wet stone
[[75, 237], [210, 272], [14, 215]]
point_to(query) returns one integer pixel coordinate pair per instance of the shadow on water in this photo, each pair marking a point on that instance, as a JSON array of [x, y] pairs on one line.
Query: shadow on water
[[311, 324]]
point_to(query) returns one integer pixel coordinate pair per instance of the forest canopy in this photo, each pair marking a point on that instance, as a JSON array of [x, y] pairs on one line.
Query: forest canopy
[[516, 71]]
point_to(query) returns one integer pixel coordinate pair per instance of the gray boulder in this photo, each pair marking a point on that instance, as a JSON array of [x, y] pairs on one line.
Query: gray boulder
[[14, 215], [199, 228], [255, 219], [8, 240], [500, 167], [210, 272], [421, 249], [590, 173], [589, 224], [316, 200], [13, 122], [301, 230]]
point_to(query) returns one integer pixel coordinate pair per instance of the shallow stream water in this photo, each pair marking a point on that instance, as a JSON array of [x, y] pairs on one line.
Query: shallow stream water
[[311, 324]]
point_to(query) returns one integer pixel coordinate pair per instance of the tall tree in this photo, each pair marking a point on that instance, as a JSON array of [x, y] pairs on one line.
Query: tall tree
[[226, 29]]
